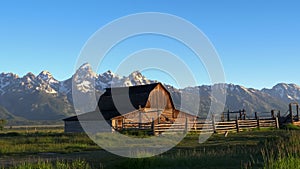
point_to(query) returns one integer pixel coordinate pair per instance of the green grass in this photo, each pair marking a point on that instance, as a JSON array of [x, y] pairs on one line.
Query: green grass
[[284, 163], [30, 129], [254, 149], [76, 164], [13, 143], [291, 127], [283, 154]]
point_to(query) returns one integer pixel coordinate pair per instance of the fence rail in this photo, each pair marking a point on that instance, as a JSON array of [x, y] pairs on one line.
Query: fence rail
[[205, 126]]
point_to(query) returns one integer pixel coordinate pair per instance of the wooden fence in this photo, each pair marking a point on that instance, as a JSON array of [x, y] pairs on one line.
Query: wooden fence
[[211, 126]]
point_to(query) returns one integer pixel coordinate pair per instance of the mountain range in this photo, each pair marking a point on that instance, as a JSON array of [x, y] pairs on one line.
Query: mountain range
[[42, 97]]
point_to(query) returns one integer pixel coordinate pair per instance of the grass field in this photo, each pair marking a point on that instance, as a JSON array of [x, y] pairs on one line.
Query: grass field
[[54, 149]]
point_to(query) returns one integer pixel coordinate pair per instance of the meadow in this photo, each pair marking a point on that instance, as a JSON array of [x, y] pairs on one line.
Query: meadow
[[47, 148]]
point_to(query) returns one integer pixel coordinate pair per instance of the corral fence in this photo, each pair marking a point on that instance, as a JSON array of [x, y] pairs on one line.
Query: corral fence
[[204, 126]]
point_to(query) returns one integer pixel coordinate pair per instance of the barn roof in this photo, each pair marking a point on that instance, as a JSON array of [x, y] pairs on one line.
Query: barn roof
[[127, 98], [90, 116], [72, 118], [138, 97]]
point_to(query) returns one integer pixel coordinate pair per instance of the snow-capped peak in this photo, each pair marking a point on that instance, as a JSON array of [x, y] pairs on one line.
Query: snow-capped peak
[[85, 71], [8, 75], [288, 92], [85, 66], [136, 78], [29, 74], [45, 75], [136, 74]]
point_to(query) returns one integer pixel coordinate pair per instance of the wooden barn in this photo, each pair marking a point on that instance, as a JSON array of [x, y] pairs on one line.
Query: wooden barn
[[135, 106]]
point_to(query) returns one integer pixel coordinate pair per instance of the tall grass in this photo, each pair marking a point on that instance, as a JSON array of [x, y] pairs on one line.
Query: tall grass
[[283, 154], [76, 164], [192, 159]]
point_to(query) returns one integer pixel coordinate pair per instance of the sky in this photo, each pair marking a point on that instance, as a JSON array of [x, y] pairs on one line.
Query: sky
[[258, 42]]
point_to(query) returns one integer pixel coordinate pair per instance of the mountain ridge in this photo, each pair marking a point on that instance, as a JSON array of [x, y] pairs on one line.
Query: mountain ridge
[[42, 97]]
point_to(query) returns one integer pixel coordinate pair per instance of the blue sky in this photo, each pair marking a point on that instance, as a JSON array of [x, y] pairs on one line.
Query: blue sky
[[257, 41]]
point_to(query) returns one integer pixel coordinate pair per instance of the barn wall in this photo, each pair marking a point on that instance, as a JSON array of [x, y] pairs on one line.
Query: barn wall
[[94, 126], [73, 127], [159, 98], [182, 116]]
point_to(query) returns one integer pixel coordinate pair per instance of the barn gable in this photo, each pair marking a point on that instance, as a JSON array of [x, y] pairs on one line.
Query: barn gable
[[118, 101]]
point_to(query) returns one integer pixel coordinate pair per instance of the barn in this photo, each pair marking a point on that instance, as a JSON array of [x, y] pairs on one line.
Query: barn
[[136, 105]]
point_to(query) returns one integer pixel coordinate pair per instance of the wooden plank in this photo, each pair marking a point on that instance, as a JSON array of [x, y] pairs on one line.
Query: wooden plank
[[174, 125], [249, 123], [268, 124], [159, 125], [210, 125], [233, 125], [225, 123], [247, 126], [173, 130], [253, 120], [266, 121], [204, 121]]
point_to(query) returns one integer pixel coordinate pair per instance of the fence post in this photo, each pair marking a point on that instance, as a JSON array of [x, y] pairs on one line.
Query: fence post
[[228, 117], [256, 117], [223, 117], [240, 112], [123, 125], [237, 124], [116, 125], [158, 116], [258, 125], [291, 113], [214, 123], [272, 114], [186, 125], [297, 107], [277, 122], [195, 124], [140, 119], [153, 126]]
